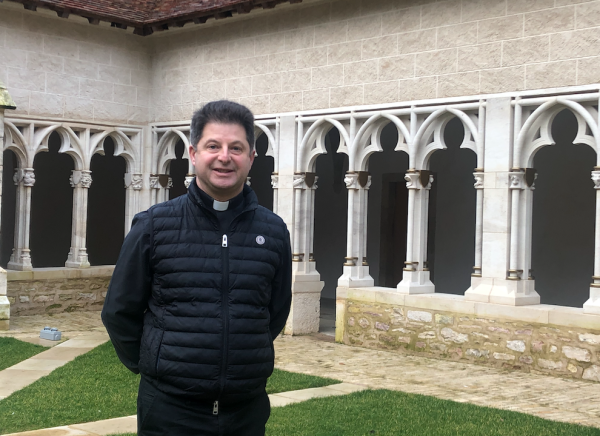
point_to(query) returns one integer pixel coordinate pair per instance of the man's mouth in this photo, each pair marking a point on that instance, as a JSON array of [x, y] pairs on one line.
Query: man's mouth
[[222, 170]]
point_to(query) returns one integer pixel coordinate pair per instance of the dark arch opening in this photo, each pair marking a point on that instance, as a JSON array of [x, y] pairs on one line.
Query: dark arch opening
[[178, 169], [51, 206], [331, 211], [387, 211], [106, 206], [9, 204], [260, 173], [452, 213], [563, 217]]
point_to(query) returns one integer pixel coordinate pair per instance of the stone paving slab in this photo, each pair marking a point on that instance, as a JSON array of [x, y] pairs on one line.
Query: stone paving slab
[[28, 371], [567, 400]]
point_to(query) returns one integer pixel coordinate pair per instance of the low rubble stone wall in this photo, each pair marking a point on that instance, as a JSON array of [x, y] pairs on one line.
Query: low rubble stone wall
[[57, 290], [442, 332]]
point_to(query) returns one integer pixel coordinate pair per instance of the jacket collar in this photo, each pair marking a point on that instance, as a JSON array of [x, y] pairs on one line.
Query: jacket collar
[[195, 194]]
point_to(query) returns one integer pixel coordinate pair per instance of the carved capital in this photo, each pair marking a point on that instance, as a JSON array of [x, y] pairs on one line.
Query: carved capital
[[479, 178], [275, 181], [299, 181], [412, 180], [188, 181], [28, 177], [248, 181], [351, 181], [80, 179], [170, 183], [154, 182], [596, 179], [516, 180], [133, 180], [18, 176], [86, 179]]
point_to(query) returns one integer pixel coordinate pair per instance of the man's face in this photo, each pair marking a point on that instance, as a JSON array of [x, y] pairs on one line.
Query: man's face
[[222, 160]]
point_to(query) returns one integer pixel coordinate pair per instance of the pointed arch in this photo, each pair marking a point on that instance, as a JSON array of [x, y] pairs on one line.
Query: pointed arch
[[15, 142], [123, 147], [537, 129], [430, 136], [260, 129], [313, 143], [368, 139], [166, 149], [70, 144]]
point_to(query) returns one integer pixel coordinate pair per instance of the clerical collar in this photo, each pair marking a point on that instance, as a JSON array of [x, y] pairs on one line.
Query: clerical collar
[[220, 205]]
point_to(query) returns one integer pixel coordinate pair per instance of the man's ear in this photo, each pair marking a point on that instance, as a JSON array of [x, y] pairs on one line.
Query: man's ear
[[192, 154]]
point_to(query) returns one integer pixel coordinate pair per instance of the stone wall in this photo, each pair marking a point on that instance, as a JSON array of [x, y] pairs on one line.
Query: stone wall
[[67, 68], [440, 331], [57, 290], [327, 54]]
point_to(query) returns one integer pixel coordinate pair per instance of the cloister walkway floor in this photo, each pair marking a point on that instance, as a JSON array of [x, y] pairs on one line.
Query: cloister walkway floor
[[548, 397]]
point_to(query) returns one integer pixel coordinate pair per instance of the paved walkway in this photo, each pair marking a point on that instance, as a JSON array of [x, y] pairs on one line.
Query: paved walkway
[[540, 395]]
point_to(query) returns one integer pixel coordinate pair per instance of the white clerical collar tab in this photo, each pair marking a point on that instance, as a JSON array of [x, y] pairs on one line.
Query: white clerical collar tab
[[220, 205]]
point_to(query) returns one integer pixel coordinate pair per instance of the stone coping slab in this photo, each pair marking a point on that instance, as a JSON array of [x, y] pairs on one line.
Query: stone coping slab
[[538, 313], [60, 273], [128, 424]]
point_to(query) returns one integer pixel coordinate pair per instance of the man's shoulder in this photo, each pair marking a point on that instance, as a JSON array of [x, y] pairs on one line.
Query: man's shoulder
[[270, 218], [168, 207]]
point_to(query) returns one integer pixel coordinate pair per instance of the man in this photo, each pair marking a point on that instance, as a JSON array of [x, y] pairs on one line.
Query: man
[[201, 288]]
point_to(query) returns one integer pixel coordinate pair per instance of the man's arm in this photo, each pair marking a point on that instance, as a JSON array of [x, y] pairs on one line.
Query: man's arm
[[128, 293], [281, 291]]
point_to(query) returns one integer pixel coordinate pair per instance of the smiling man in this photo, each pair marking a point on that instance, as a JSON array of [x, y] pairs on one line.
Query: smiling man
[[201, 288]]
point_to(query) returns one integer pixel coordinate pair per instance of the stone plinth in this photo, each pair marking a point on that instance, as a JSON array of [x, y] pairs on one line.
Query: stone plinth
[[555, 340]]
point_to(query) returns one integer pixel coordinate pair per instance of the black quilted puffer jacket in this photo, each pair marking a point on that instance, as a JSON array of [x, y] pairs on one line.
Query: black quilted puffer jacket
[[210, 302]]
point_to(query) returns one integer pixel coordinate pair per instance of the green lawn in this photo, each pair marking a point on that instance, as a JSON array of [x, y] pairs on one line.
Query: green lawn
[[97, 386], [13, 351], [390, 413]]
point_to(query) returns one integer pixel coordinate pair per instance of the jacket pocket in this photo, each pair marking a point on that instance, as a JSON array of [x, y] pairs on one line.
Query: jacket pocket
[[150, 349]]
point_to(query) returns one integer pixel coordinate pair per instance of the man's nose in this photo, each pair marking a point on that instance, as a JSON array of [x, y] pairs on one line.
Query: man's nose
[[224, 155]]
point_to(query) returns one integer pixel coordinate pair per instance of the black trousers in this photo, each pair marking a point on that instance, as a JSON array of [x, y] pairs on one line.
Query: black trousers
[[159, 414]]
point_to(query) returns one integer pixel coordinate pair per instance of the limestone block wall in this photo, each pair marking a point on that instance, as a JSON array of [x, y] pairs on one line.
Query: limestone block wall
[[55, 290], [447, 329], [67, 68], [335, 53]]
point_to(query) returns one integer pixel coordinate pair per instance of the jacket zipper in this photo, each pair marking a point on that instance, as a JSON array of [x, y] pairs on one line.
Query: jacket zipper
[[225, 309]]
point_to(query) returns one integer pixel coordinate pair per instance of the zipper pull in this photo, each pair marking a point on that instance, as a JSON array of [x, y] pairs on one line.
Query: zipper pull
[[216, 408], [224, 244]]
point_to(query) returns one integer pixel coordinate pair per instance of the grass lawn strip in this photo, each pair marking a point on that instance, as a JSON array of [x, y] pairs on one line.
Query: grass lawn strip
[[392, 413], [13, 351], [387, 413], [96, 386]]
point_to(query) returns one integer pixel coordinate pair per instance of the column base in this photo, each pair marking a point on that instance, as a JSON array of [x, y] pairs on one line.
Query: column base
[[4, 303], [416, 282], [356, 277], [593, 304], [20, 266], [77, 258], [305, 313], [78, 264], [503, 291]]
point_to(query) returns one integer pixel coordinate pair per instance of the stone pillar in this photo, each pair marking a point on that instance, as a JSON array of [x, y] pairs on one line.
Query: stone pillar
[[306, 282], [133, 186], [592, 305], [6, 102], [80, 182], [275, 186], [415, 277], [356, 268], [479, 178], [20, 259], [188, 180]]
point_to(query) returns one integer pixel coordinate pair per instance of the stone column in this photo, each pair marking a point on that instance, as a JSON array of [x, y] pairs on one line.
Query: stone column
[[6, 102], [188, 180], [356, 268], [592, 305], [133, 186], [306, 282], [154, 188], [80, 182], [479, 178], [415, 277], [20, 259], [275, 186]]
